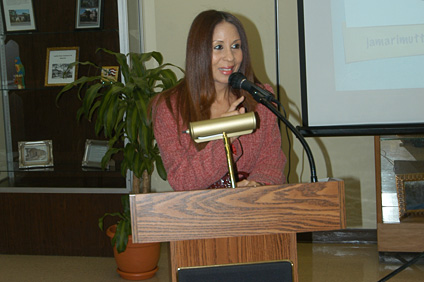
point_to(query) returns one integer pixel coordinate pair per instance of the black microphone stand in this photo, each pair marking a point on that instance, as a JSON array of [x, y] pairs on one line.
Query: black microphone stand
[[261, 99]]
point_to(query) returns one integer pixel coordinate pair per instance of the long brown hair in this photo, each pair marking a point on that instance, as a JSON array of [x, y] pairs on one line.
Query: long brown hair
[[195, 94]]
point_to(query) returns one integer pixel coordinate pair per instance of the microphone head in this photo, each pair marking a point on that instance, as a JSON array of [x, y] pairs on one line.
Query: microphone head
[[236, 79]]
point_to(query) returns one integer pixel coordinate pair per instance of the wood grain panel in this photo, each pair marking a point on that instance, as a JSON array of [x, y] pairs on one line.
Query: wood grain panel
[[219, 213], [232, 250], [222, 226], [401, 237], [406, 236]]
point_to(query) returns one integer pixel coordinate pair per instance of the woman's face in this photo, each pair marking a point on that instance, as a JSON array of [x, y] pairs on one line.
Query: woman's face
[[226, 53]]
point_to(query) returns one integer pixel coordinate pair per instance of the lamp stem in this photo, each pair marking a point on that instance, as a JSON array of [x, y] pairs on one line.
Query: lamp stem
[[229, 160]]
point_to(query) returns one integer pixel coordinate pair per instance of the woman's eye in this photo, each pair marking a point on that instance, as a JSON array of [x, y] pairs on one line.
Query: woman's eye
[[217, 47], [236, 46]]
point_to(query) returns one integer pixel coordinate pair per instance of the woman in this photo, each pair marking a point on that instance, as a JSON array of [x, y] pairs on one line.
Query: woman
[[216, 47]]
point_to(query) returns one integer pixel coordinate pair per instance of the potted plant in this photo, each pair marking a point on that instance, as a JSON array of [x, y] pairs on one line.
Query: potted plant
[[120, 111]]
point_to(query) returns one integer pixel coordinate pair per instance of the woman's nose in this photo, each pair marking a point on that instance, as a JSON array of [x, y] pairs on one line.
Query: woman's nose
[[228, 55]]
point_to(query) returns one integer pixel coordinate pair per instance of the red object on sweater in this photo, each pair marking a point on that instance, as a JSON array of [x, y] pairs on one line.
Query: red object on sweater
[[259, 153]]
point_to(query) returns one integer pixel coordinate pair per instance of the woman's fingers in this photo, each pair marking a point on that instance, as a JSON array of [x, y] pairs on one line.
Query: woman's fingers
[[248, 183], [235, 108], [235, 104]]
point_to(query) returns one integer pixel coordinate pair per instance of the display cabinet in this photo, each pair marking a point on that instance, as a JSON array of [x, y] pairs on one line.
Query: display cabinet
[[400, 193], [29, 109], [52, 198]]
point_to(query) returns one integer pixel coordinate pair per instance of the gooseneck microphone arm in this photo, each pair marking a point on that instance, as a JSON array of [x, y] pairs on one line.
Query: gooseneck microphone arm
[[296, 132], [238, 80]]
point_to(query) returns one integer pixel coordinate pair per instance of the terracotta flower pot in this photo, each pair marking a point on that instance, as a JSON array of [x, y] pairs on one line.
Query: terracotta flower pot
[[138, 261]]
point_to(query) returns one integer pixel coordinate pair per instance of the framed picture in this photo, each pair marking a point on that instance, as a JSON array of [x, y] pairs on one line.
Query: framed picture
[[58, 60], [89, 14], [410, 192], [94, 152], [35, 154], [18, 15], [110, 73]]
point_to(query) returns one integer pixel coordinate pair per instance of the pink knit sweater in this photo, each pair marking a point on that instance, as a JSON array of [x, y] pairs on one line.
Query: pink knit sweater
[[258, 153]]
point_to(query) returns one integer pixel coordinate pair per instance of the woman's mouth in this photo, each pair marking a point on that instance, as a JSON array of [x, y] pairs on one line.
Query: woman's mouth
[[226, 70]]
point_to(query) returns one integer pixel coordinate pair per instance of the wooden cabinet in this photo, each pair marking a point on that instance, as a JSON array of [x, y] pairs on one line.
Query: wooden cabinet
[[396, 156], [55, 210]]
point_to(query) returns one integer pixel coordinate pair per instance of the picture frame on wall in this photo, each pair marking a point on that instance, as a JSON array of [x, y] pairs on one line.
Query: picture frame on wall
[[88, 14], [58, 69], [18, 15], [94, 152], [35, 154], [410, 194], [110, 73]]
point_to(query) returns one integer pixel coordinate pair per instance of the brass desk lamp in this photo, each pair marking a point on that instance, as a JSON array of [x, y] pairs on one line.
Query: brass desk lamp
[[223, 128]]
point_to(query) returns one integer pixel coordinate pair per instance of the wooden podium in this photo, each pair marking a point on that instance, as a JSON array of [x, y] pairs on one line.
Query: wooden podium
[[242, 225]]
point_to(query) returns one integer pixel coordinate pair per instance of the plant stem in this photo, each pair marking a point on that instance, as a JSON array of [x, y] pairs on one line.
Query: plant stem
[[136, 185], [146, 186], [142, 185]]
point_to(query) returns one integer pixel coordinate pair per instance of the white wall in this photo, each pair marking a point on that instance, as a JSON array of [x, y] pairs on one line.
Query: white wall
[[165, 27]]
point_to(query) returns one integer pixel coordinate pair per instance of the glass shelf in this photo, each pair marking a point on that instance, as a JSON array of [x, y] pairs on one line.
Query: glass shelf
[[61, 175], [38, 32]]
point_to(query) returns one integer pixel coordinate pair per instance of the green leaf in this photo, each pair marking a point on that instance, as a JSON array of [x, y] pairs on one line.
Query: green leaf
[[108, 155], [158, 57], [80, 113], [160, 167], [93, 109], [90, 95], [139, 165], [121, 236], [101, 220], [145, 57], [107, 104], [124, 168], [128, 161], [169, 79], [141, 83], [110, 115], [79, 82], [125, 201], [131, 124], [137, 68], [141, 105], [119, 125]]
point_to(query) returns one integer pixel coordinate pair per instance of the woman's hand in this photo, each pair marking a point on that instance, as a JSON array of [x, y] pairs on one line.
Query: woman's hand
[[248, 183], [234, 108]]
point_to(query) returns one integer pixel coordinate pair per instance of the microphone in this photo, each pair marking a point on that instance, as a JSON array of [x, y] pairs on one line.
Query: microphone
[[237, 80]]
